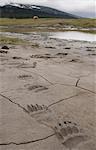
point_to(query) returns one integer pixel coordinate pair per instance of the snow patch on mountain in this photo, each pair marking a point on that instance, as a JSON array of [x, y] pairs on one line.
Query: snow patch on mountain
[[24, 6], [17, 5], [35, 7]]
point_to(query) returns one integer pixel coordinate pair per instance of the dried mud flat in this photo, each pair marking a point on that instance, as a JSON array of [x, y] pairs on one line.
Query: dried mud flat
[[48, 95]]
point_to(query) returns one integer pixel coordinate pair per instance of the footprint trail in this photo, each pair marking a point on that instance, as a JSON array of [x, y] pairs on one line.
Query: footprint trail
[[67, 132]]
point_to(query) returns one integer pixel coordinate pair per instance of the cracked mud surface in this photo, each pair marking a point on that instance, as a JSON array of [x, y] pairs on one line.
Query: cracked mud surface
[[48, 95]]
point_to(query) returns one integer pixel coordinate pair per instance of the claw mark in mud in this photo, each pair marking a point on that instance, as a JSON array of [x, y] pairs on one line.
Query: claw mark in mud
[[27, 111], [62, 54], [42, 114], [47, 56], [67, 132], [16, 57], [25, 76], [44, 56], [36, 108], [25, 65], [39, 75], [37, 88]]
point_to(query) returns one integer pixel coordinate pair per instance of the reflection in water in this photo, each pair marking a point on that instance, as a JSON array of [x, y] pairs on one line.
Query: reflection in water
[[74, 35]]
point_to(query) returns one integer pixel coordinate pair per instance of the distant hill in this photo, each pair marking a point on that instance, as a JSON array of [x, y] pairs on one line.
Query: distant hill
[[15, 10]]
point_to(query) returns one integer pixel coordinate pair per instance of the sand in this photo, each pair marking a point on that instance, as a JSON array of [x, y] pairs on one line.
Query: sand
[[59, 74]]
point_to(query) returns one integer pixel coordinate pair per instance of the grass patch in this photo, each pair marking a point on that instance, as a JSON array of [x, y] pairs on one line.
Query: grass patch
[[9, 40], [44, 24], [49, 22]]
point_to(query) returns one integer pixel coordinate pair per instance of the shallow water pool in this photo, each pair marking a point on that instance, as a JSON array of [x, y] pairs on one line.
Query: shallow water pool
[[74, 35]]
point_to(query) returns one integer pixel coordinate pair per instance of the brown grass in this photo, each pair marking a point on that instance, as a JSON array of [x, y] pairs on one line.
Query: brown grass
[[44, 24]]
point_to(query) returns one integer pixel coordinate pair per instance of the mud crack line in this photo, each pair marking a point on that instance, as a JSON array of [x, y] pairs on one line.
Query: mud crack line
[[76, 85], [14, 102], [61, 100], [28, 142], [86, 89], [39, 75]]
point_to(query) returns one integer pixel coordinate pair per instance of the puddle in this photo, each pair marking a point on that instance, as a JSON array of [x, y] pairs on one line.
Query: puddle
[[67, 35], [74, 35]]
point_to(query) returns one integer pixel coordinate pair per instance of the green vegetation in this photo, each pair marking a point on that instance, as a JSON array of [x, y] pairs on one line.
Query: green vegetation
[[44, 24], [17, 41], [9, 40], [49, 22]]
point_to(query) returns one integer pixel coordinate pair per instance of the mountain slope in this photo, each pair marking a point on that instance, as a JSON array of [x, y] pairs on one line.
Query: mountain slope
[[28, 11]]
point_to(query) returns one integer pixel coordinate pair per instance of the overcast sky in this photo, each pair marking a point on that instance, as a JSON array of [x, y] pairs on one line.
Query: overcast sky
[[79, 7]]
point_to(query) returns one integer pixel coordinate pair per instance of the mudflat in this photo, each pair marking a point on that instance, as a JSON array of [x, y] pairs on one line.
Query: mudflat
[[48, 94]]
